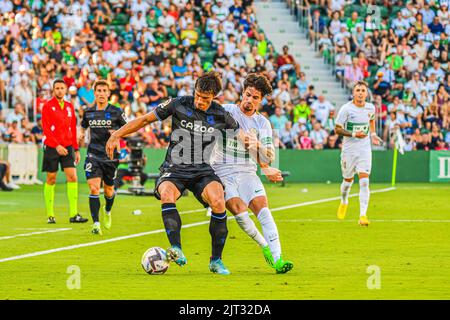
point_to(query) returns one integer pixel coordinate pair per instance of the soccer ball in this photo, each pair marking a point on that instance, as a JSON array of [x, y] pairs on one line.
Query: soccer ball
[[154, 261]]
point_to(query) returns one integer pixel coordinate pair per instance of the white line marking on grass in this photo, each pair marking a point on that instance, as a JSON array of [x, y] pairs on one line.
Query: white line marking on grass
[[89, 244], [302, 204], [32, 228], [34, 233], [192, 211], [353, 221]]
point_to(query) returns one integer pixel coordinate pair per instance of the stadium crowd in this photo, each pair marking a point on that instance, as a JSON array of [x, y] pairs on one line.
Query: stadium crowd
[[401, 50], [152, 50]]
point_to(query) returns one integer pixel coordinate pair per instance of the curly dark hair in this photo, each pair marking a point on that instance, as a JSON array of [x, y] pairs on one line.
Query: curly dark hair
[[258, 81], [209, 82]]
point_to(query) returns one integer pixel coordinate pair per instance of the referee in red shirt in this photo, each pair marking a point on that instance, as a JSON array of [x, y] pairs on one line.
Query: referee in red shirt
[[60, 149]]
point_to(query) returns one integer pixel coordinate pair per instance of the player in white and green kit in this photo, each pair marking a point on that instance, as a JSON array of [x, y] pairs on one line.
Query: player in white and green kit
[[356, 122], [233, 162]]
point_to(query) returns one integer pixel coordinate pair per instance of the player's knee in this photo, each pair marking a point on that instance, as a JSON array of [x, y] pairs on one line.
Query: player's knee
[[51, 180], [72, 178], [364, 182], [95, 190], [236, 208], [109, 191], [217, 204], [167, 195]]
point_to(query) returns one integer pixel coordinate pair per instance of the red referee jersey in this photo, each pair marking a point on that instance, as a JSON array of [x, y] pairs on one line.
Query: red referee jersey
[[59, 124]]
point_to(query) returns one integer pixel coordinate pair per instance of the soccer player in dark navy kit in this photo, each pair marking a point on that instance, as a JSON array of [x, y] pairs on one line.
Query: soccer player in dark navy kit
[[194, 118], [102, 120]]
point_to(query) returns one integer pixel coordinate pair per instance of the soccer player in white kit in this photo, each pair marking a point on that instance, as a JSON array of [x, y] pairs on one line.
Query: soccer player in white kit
[[356, 121], [233, 163]]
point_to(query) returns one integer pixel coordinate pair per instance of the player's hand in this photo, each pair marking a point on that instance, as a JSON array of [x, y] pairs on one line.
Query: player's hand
[[251, 141], [376, 140], [360, 135], [273, 174], [77, 157], [61, 150], [112, 144]]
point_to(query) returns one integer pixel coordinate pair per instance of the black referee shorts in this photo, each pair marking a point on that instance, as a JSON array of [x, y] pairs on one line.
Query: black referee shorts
[[194, 181], [52, 159]]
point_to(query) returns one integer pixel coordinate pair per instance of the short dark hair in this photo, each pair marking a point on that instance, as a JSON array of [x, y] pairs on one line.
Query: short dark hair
[[360, 83], [58, 81], [210, 82], [258, 81], [101, 83]]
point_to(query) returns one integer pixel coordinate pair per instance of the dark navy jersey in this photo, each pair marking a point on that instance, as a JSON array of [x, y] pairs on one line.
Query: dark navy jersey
[[101, 124], [194, 132]]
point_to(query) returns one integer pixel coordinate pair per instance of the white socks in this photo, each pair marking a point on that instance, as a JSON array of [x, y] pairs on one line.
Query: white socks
[[270, 232], [345, 190], [364, 195], [249, 227]]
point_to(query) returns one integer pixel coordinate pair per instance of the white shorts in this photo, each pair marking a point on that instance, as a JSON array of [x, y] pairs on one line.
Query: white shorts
[[352, 164], [246, 186]]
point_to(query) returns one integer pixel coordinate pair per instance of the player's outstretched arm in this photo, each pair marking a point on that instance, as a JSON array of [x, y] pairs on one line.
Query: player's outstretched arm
[[130, 127]]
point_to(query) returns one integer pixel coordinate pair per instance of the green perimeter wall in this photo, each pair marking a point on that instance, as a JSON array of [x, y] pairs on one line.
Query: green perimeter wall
[[314, 166]]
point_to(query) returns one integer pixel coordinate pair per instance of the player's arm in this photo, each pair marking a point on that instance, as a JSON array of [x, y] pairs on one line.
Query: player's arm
[[75, 146], [81, 136], [161, 112], [376, 140], [262, 154], [339, 127], [130, 127]]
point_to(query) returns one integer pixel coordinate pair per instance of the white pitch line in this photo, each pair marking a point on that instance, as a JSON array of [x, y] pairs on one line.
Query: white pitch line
[[302, 204], [89, 244], [34, 233], [372, 220], [192, 211]]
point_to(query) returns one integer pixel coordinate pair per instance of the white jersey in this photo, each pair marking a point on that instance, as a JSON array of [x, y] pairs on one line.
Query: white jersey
[[353, 119], [231, 157]]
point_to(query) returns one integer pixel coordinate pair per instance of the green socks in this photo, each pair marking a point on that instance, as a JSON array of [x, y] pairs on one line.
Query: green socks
[[72, 195], [49, 196]]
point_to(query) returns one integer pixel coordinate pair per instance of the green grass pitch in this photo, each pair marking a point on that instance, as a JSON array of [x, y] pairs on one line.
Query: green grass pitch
[[408, 240]]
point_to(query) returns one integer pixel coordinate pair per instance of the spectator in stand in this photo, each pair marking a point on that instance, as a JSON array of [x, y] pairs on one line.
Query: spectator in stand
[[310, 96], [305, 142], [86, 94], [353, 73], [281, 95], [332, 142], [343, 59], [278, 120], [287, 62], [288, 138], [321, 108], [316, 26], [318, 136]]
